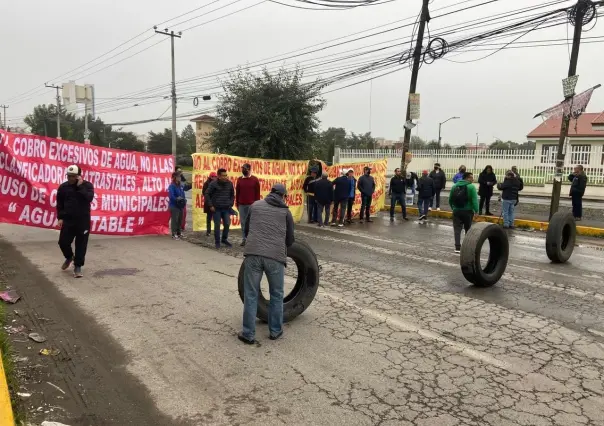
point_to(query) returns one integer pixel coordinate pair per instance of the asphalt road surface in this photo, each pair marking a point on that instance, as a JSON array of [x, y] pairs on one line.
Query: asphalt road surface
[[396, 336]]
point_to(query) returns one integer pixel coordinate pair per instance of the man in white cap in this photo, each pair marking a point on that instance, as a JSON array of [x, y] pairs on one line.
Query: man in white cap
[[73, 212], [270, 231]]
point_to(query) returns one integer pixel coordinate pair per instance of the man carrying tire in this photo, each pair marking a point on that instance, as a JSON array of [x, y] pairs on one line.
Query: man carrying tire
[[270, 231], [463, 199]]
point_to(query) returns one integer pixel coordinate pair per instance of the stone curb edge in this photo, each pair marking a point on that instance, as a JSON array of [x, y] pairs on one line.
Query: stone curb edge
[[523, 223], [6, 408]]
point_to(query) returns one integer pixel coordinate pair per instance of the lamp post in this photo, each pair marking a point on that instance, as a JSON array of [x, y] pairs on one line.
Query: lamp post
[[439, 138]]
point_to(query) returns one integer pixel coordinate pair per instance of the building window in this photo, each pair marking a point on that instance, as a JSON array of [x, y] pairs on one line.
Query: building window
[[548, 154], [579, 154]]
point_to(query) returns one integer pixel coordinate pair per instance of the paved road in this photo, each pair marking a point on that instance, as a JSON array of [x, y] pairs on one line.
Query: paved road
[[396, 336]]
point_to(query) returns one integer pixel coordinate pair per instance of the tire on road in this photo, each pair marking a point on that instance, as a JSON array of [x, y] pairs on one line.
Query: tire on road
[[469, 258], [560, 237], [305, 289]]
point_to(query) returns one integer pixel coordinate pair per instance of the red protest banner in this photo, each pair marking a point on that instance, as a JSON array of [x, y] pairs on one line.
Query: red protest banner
[[131, 196]]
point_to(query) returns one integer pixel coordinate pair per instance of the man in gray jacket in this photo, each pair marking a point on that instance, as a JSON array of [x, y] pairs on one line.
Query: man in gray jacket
[[270, 231], [366, 187]]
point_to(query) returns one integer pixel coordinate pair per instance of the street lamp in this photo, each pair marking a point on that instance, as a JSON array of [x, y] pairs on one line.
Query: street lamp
[[439, 126]]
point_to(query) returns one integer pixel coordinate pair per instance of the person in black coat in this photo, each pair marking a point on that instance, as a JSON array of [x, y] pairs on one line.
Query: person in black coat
[[397, 191], [206, 207], [309, 189], [323, 198], [440, 183], [577, 190], [425, 192], [341, 193], [486, 180]]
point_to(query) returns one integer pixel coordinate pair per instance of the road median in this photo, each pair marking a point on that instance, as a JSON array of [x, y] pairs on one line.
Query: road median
[[519, 223]]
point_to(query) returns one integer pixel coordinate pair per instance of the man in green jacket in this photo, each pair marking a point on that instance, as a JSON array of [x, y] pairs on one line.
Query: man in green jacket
[[463, 199]]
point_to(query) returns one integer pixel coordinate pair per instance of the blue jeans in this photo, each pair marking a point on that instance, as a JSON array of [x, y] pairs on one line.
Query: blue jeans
[[422, 205], [254, 267], [508, 207], [401, 200], [244, 211], [225, 217]]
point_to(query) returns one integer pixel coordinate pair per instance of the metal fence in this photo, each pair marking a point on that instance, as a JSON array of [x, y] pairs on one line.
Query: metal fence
[[535, 167]]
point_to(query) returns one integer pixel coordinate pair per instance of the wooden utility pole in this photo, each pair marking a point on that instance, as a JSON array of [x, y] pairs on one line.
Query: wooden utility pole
[[581, 8], [417, 58]]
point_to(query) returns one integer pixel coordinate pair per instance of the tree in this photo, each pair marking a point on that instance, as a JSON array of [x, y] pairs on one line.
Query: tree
[[187, 144], [360, 141], [126, 140], [160, 143], [433, 144], [43, 121], [417, 143], [327, 141], [447, 147], [268, 115]]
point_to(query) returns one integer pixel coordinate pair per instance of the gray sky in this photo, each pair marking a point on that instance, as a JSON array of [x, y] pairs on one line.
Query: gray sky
[[495, 97]]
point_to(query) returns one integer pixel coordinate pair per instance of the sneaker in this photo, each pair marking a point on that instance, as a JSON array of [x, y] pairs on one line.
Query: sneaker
[[226, 243], [438, 209], [429, 209], [391, 219], [77, 272], [340, 225], [175, 237], [361, 221], [276, 336], [208, 234], [181, 236], [369, 220], [457, 251], [405, 218], [333, 224], [422, 217], [245, 340], [66, 264], [242, 243]]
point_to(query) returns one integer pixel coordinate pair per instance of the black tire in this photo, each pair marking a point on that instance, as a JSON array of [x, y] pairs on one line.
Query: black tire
[[469, 258], [305, 289], [560, 237]]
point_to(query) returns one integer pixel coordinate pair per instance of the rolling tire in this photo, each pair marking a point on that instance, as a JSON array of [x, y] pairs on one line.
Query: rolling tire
[[469, 258], [560, 237], [305, 289]]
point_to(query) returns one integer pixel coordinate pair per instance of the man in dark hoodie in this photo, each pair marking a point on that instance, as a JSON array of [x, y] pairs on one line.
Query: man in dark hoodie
[[324, 198], [270, 231], [341, 194], [509, 197], [220, 196], [366, 187], [425, 191], [440, 182], [397, 190], [309, 189], [577, 190], [486, 180]]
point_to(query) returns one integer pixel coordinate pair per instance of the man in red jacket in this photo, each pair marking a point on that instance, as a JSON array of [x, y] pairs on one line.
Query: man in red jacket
[[247, 192]]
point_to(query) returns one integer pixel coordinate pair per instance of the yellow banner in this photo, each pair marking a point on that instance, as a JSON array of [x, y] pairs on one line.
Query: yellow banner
[[269, 172], [378, 171]]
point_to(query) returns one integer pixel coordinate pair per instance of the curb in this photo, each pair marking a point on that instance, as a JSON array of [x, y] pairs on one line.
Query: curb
[[520, 223], [6, 408]]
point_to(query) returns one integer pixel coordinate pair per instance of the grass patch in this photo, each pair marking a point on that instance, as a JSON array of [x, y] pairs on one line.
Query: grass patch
[[186, 168]]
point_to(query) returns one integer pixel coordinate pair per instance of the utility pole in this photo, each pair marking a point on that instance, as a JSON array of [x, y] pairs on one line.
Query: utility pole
[[439, 138], [581, 8], [58, 108], [417, 57], [172, 36], [4, 115]]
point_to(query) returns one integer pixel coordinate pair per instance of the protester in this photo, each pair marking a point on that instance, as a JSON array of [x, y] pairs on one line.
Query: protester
[[73, 214], [178, 203], [397, 191], [509, 197], [270, 230], [323, 198], [341, 195], [486, 180], [353, 185], [459, 175], [247, 192], [440, 182], [577, 190], [220, 196], [309, 184], [425, 192], [412, 180], [517, 174], [464, 203], [366, 187], [186, 187], [206, 205]]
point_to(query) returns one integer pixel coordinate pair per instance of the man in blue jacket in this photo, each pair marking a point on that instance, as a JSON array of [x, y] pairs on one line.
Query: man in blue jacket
[[178, 202], [353, 187]]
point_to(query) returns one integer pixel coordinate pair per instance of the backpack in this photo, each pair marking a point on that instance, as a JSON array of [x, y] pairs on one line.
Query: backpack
[[460, 196]]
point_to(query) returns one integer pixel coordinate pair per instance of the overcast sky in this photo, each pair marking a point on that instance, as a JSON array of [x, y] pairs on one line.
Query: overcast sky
[[495, 97]]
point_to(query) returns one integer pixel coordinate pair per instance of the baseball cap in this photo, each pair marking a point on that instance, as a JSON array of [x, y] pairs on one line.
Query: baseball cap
[[425, 172], [213, 174], [350, 170], [279, 188], [73, 170]]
